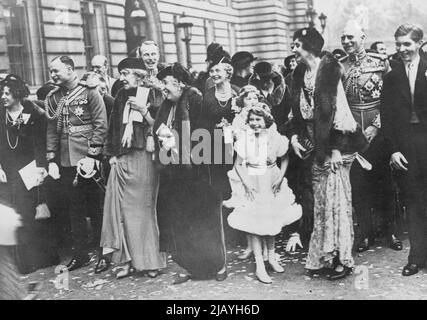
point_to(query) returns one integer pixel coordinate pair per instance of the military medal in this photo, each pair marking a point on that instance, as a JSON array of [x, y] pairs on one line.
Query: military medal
[[78, 111]]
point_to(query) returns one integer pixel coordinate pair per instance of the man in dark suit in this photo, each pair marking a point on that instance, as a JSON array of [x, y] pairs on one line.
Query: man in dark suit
[[404, 123]]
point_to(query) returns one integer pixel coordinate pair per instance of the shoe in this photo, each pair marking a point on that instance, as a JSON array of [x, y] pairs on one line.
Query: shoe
[[125, 272], [272, 262], [77, 263], [221, 276], [410, 269], [245, 255], [316, 273], [396, 244], [153, 274], [103, 265], [363, 246], [338, 275], [263, 276], [181, 279]]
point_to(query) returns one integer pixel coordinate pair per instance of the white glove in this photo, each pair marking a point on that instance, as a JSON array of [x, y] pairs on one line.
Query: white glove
[[87, 165], [293, 242], [43, 174], [168, 143], [54, 171], [3, 178]]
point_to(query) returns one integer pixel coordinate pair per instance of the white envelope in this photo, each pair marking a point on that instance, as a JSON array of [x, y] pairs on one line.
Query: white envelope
[[31, 175]]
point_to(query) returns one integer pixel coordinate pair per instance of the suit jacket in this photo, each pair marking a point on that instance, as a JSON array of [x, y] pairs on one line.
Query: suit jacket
[[396, 105]]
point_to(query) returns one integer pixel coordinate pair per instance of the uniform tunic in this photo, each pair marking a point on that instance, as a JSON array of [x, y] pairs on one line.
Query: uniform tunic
[[77, 128], [363, 83]]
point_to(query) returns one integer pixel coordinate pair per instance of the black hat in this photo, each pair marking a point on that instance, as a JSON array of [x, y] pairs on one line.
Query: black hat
[[178, 71], [312, 39], [224, 57], [264, 70], [242, 59], [214, 50], [131, 63]]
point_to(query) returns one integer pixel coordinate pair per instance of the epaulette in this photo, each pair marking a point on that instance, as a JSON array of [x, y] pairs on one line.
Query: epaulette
[[87, 84], [343, 59], [380, 56]]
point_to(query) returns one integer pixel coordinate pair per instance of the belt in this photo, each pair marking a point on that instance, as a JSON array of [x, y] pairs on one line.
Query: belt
[[268, 165], [77, 129], [365, 107]]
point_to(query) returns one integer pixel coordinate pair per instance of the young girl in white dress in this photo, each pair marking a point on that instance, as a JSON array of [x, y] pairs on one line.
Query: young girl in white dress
[[269, 203]]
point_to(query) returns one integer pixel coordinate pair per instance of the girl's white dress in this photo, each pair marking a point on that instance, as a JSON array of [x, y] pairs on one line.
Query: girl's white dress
[[268, 213]]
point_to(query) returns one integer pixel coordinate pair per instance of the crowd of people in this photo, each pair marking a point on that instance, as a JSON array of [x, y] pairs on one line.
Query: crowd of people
[[163, 163]]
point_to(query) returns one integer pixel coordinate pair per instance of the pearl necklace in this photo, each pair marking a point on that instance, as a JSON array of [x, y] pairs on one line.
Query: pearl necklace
[[224, 96]]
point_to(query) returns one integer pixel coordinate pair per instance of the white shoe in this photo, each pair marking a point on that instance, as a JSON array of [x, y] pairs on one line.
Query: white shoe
[[272, 260], [276, 266], [263, 276]]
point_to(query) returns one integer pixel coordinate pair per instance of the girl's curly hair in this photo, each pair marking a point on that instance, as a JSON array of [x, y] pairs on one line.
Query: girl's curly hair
[[17, 87], [244, 92], [262, 110]]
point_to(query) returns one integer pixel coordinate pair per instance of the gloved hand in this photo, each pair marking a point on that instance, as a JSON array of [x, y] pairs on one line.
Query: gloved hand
[[293, 242], [3, 178], [87, 166], [54, 171]]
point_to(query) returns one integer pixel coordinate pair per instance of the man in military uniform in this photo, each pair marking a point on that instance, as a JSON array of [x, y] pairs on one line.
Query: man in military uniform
[[363, 81], [77, 128]]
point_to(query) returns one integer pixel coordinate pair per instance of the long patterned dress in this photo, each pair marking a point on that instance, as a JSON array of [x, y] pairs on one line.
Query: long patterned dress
[[130, 228], [333, 234]]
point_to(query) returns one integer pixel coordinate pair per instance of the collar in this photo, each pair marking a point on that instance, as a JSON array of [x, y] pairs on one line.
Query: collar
[[74, 84], [414, 64], [358, 56]]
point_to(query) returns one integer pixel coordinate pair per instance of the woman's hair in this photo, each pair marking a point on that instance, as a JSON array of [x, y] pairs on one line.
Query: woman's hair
[[311, 40], [227, 67], [17, 87], [288, 60], [244, 92], [262, 110]]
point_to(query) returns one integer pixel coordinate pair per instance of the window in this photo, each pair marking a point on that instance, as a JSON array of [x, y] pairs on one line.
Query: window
[[94, 31], [17, 39]]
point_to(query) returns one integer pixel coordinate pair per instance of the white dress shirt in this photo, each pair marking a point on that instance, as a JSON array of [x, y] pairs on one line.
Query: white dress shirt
[[411, 72]]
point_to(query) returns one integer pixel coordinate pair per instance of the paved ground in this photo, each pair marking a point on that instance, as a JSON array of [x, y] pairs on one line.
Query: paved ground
[[378, 276]]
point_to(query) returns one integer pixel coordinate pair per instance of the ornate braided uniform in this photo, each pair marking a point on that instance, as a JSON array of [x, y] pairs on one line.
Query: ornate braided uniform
[[77, 128], [363, 83]]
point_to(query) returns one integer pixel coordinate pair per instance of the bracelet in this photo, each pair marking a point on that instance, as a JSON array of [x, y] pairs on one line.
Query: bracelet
[[144, 115]]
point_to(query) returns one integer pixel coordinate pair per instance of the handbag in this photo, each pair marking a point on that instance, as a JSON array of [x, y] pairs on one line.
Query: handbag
[[42, 210]]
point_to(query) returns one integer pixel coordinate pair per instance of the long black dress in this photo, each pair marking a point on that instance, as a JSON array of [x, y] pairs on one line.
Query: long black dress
[[189, 210], [19, 146], [212, 114]]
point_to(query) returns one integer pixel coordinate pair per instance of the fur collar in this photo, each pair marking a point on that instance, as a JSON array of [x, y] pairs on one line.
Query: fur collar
[[279, 88], [325, 99]]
